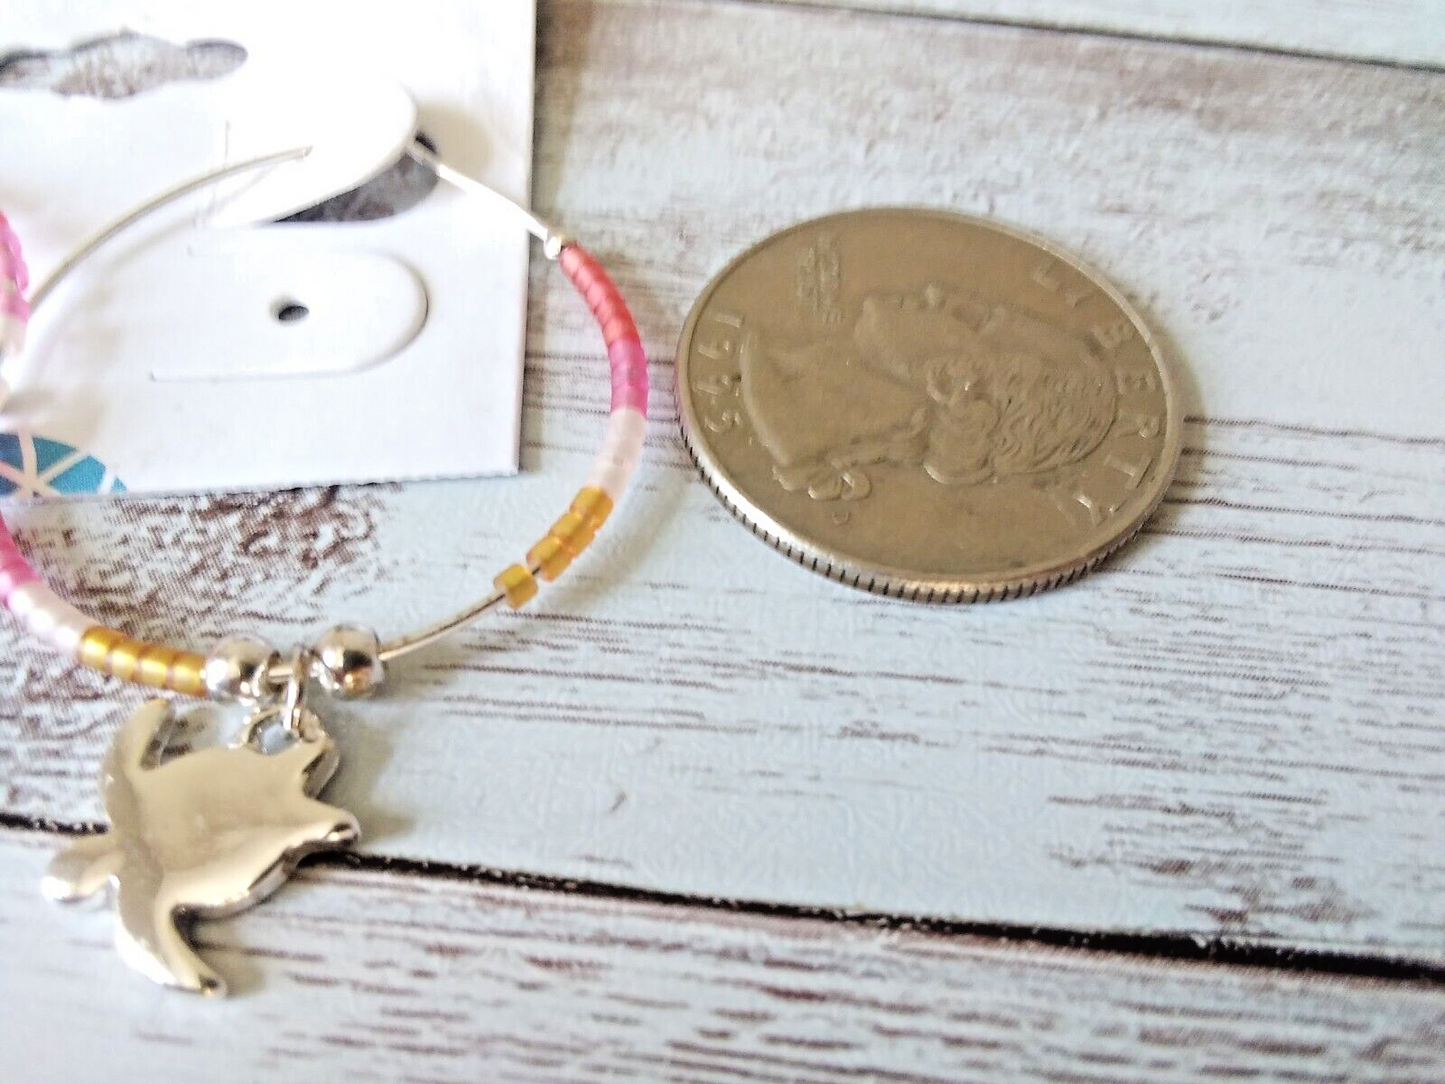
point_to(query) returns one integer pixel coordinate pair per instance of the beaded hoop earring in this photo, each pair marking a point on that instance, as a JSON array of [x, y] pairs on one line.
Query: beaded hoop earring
[[160, 870]]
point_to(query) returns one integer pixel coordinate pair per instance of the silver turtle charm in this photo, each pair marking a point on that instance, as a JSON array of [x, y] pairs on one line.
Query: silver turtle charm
[[204, 834]]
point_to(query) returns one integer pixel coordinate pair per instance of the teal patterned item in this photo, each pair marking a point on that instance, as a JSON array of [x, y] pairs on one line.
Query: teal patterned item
[[32, 466]]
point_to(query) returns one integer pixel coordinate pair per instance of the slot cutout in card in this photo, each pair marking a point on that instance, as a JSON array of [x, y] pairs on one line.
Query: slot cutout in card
[[290, 310]]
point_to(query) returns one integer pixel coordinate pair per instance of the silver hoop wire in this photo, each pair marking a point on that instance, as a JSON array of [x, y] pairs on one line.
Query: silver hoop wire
[[553, 241]]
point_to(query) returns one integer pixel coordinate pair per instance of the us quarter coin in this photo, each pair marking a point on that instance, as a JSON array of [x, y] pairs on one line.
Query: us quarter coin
[[927, 405]]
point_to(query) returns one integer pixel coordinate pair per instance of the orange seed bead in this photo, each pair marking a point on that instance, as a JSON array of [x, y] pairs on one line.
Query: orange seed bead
[[124, 658], [154, 666], [550, 556], [95, 647], [519, 585], [187, 674], [574, 531], [593, 505]]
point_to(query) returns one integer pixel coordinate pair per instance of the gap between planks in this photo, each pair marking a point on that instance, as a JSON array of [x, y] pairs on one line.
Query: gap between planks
[[1163, 947], [1202, 41]]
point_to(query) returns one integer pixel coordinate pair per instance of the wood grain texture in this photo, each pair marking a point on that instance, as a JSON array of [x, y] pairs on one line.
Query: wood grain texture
[[372, 977], [1234, 730], [1397, 31]]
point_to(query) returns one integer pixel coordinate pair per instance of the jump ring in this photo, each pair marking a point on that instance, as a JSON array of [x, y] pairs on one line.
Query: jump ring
[[293, 704]]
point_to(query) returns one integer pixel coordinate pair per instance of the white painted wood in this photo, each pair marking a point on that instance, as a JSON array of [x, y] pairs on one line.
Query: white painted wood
[[1398, 31], [377, 977], [1234, 730]]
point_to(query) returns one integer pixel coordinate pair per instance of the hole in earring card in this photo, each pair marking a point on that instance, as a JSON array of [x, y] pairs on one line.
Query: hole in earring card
[[288, 311]]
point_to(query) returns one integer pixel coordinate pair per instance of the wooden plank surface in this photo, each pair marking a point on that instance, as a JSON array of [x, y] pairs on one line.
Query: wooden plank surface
[[1231, 732], [370, 976], [1396, 31]]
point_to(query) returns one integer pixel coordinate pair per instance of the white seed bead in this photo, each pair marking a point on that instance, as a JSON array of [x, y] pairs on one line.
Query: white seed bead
[[50, 618], [621, 449]]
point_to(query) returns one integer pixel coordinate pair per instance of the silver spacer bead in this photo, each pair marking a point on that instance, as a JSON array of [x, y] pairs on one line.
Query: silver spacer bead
[[239, 668], [348, 662]]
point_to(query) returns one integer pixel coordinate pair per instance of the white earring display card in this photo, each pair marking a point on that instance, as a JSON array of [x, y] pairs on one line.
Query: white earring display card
[[214, 346]]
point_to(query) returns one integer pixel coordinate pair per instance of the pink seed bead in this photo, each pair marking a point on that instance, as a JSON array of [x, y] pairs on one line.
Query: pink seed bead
[[12, 266], [619, 332], [572, 259], [14, 305], [601, 295], [15, 570], [629, 375]]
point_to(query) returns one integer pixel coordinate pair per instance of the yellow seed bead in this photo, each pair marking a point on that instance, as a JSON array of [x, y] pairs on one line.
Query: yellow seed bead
[[519, 585], [186, 674], [574, 531], [550, 556], [154, 667], [95, 646], [593, 505], [124, 658]]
